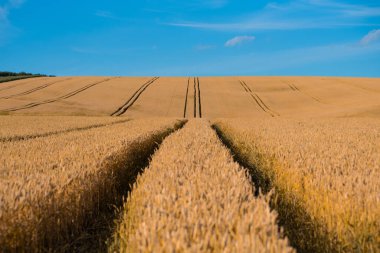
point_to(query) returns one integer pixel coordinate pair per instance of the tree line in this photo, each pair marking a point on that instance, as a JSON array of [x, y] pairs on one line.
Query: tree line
[[9, 73]]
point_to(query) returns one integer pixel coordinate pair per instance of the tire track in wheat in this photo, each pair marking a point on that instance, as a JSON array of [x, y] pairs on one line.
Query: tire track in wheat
[[295, 88], [199, 99], [47, 134], [34, 89], [19, 84], [195, 98], [187, 93], [122, 109], [194, 198], [258, 100], [48, 101]]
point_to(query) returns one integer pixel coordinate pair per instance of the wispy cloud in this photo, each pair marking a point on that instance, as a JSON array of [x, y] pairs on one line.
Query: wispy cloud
[[215, 3], [354, 10], [254, 24], [7, 7], [371, 37], [203, 47], [14, 3], [212, 4], [3, 14], [83, 50], [297, 14], [6, 29], [285, 61], [238, 40], [105, 14]]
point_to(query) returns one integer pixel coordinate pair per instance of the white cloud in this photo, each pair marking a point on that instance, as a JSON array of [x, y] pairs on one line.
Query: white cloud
[[238, 40], [370, 37]]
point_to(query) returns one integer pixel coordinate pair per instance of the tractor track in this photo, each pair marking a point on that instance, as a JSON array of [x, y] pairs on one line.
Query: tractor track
[[122, 109], [197, 98], [295, 88], [69, 130], [34, 89], [258, 100], [187, 93], [344, 82], [48, 101], [19, 84]]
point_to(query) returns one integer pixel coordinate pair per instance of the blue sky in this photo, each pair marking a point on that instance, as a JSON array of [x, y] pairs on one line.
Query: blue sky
[[194, 37]]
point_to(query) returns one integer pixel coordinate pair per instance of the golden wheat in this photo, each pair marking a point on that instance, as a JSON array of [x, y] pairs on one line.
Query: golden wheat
[[195, 198], [52, 186], [326, 174]]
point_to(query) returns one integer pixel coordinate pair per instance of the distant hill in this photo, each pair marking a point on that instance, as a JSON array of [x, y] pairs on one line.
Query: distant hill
[[6, 76]]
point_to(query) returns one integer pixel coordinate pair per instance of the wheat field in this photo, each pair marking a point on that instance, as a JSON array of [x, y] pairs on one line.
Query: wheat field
[[190, 164], [196, 199], [52, 185], [326, 175], [218, 97]]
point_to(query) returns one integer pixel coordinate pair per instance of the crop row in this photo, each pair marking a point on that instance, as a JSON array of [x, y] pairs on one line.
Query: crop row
[[194, 198], [53, 187], [326, 176]]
